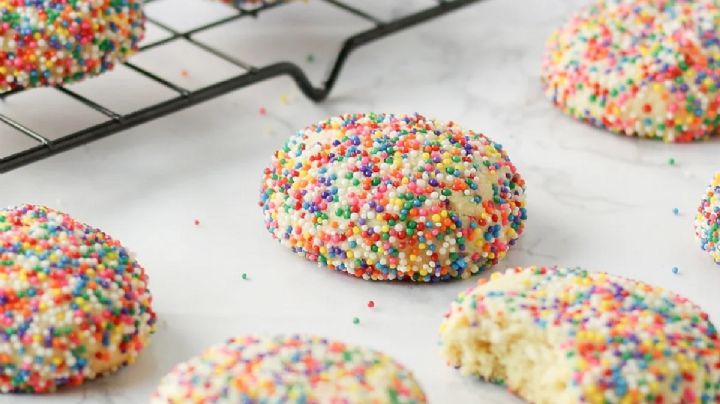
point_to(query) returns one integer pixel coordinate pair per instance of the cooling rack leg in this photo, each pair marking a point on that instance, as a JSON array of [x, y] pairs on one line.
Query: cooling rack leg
[[373, 34]]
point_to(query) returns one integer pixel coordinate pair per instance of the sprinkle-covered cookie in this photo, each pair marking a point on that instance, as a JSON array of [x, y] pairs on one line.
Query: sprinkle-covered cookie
[[74, 303], [394, 197], [54, 42], [647, 68], [567, 336], [288, 370], [707, 220]]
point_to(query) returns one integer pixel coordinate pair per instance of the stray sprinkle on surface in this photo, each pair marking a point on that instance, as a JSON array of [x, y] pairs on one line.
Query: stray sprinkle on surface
[[676, 211], [356, 320], [310, 58], [371, 304], [675, 270], [197, 222], [671, 161], [263, 111], [284, 99], [245, 276]]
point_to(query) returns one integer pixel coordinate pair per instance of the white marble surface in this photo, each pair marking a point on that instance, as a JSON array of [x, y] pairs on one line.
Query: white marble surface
[[595, 199]]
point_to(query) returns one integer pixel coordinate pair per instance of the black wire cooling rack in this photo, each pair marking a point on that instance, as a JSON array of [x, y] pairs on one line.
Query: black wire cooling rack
[[44, 146]]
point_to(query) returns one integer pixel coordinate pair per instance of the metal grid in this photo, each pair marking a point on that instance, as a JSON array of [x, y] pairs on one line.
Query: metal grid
[[116, 122]]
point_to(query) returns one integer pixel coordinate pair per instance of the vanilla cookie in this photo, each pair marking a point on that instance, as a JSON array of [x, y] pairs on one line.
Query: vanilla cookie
[[288, 370], [74, 303], [566, 336], [50, 42], [643, 68], [707, 220], [394, 197]]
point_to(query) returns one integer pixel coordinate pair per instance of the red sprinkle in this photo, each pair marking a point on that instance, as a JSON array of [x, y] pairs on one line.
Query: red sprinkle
[[371, 304]]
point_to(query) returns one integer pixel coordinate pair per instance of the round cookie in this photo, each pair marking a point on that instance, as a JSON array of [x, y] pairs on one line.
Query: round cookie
[[394, 197], [74, 303], [639, 67], [288, 369], [707, 220], [562, 336], [52, 42]]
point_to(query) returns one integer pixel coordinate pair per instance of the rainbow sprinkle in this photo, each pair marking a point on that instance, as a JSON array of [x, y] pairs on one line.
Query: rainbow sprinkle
[[649, 68], [618, 340], [394, 197], [74, 304], [289, 369], [55, 42], [707, 221]]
